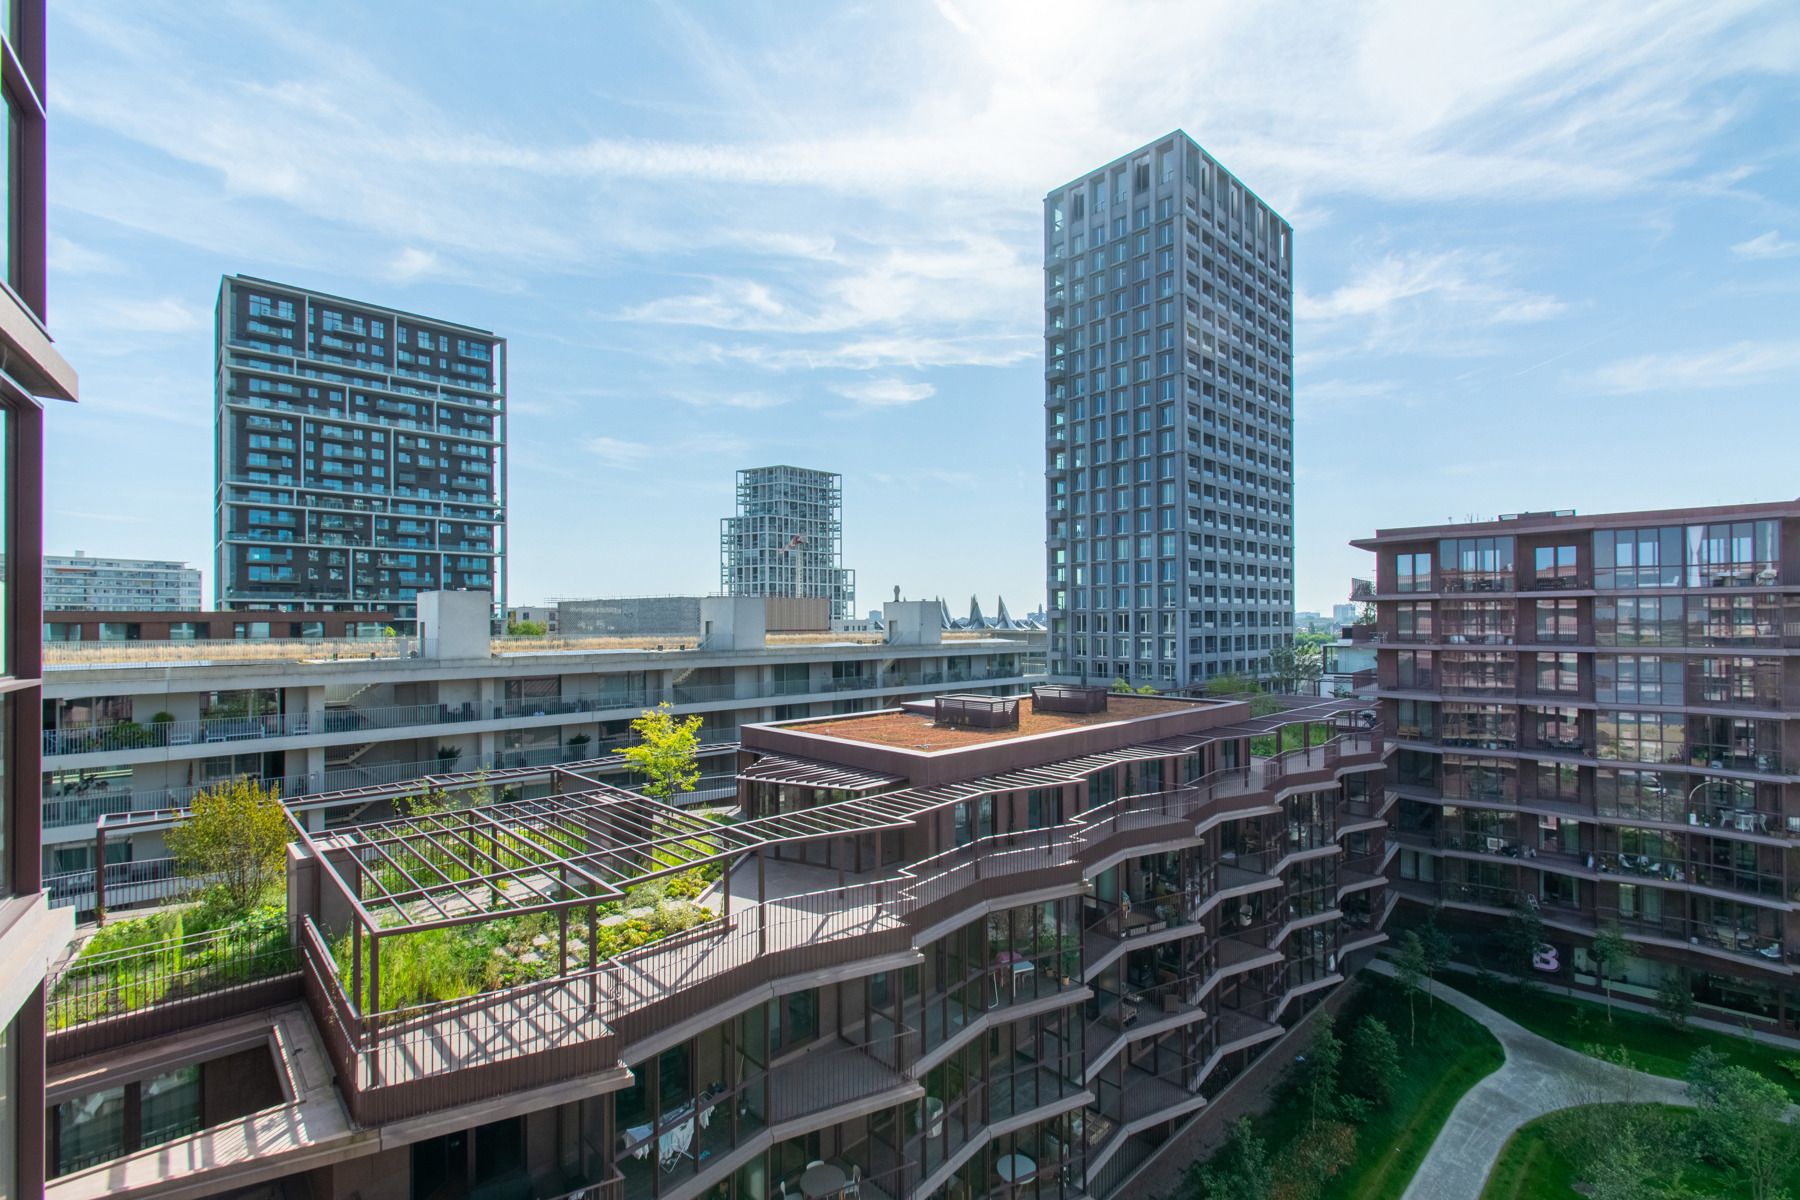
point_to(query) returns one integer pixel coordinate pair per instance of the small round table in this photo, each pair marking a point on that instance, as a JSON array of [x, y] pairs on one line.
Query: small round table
[[822, 1180], [1014, 1168]]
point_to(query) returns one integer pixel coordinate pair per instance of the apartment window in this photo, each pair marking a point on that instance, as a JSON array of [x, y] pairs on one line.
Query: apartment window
[[1638, 558], [1638, 679], [1553, 566], [1415, 669], [1558, 673], [1641, 736], [89, 1129], [11, 260], [1643, 620], [169, 1105], [1558, 781], [1412, 572], [1558, 728], [793, 1021], [1732, 554], [1556, 621], [1476, 564], [1478, 622], [1412, 620], [1739, 680]]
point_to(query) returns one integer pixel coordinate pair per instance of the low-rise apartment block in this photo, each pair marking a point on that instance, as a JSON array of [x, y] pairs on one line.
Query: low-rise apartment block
[[1598, 718], [982, 945], [78, 583]]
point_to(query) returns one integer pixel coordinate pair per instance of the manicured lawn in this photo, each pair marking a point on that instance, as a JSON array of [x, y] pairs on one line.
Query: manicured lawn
[[1654, 1045], [1535, 1166], [1452, 1055]]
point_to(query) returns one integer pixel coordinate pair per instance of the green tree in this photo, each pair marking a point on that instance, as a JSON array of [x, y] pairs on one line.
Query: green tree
[[1230, 685], [1523, 935], [235, 834], [1675, 997], [1240, 1171], [425, 803], [1319, 1068], [667, 752], [1610, 950], [1410, 966], [526, 629], [1312, 1160], [1703, 1072], [1743, 1118], [1374, 1061], [1438, 949], [1295, 664]]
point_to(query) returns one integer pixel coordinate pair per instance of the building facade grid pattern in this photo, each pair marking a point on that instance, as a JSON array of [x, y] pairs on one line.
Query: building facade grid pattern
[[787, 538], [360, 457], [1168, 318]]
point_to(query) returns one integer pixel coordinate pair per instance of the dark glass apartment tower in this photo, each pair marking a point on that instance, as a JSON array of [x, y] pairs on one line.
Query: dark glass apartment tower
[[1598, 718], [31, 371], [1168, 413], [360, 457]]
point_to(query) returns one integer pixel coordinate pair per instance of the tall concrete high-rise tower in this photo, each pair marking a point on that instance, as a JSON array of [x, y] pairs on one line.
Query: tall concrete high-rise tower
[[361, 454], [787, 538], [1168, 414]]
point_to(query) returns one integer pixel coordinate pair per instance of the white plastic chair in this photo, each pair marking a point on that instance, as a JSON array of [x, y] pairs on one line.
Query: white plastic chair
[[853, 1189]]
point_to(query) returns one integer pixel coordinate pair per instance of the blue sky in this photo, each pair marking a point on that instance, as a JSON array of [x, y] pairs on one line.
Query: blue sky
[[1540, 249]]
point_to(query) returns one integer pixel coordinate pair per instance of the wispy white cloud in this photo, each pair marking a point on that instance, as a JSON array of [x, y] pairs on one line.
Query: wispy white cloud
[[412, 263], [1737, 365], [628, 454], [747, 401], [163, 315], [1454, 303], [883, 393], [1381, 287], [1331, 393], [1767, 245], [618, 452], [68, 257]]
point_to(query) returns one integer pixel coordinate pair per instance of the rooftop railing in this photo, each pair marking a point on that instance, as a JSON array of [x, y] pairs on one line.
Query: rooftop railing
[[96, 737], [103, 1000]]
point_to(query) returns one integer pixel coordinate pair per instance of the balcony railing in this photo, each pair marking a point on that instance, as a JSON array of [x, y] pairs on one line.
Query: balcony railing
[[134, 882], [403, 1063], [101, 737]]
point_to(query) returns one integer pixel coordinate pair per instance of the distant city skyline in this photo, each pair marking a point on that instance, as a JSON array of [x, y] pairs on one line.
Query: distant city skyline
[[715, 240]]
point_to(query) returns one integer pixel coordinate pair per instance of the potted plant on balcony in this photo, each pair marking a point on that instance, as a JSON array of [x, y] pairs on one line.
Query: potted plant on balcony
[[577, 746], [159, 727], [447, 756]]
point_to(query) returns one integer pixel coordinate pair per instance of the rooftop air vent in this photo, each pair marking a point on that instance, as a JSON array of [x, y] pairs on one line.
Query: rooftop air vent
[[1067, 698], [977, 712]]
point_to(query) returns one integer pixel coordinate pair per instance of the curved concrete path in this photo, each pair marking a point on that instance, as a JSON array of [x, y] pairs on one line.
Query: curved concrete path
[[1538, 1077]]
